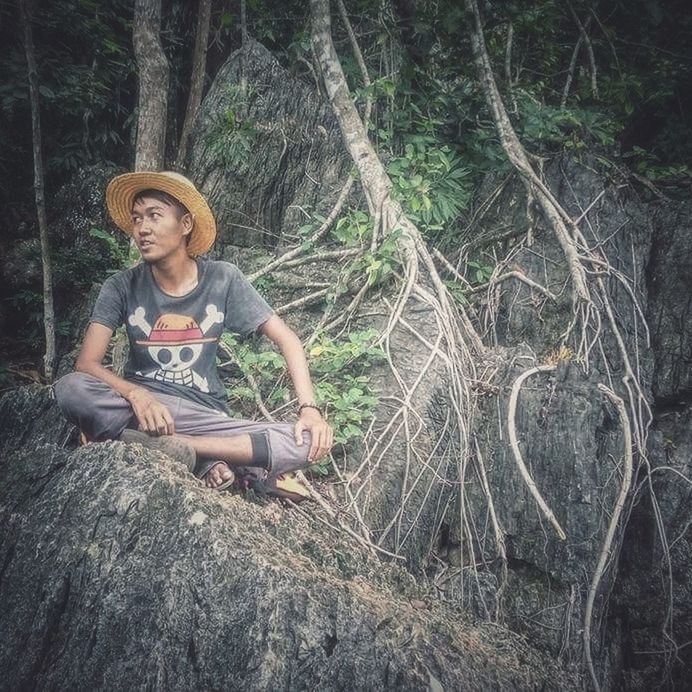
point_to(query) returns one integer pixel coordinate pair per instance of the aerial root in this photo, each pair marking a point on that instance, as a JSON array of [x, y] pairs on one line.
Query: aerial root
[[612, 527], [514, 444]]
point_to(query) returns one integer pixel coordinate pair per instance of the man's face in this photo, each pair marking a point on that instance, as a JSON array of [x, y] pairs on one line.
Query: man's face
[[157, 229]]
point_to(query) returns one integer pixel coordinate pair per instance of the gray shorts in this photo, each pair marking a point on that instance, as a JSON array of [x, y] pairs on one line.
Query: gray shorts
[[102, 414]]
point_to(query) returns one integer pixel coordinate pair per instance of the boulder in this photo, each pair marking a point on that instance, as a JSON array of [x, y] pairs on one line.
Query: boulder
[[120, 571], [267, 157]]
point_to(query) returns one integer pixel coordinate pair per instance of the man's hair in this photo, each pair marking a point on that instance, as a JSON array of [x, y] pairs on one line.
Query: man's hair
[[164, 197]]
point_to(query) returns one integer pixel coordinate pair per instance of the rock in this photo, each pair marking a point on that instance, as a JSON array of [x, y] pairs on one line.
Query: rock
[[572, 438], [652, 601], [120, 571], [267, 158], [670, 301]]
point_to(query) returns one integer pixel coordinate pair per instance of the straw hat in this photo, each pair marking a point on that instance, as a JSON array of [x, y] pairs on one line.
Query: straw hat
[[123, 189]]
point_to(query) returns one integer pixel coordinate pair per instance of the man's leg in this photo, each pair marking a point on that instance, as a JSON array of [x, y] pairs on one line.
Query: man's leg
[[240, 443], [94, 407]]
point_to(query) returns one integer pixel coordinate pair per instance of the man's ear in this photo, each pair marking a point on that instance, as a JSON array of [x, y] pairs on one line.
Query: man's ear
[[188, 222]]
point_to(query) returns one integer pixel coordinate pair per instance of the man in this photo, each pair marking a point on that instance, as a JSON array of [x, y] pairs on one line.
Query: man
[[175, 307]]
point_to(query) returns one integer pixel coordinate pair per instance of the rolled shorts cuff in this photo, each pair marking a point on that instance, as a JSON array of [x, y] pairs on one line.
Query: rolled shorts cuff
[[261, 451]]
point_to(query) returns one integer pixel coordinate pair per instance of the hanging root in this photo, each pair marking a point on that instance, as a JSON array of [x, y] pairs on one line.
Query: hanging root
[[612, 527], [514, 444]]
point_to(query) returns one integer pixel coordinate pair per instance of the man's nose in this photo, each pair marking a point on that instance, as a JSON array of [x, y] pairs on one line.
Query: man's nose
[[144, 227]]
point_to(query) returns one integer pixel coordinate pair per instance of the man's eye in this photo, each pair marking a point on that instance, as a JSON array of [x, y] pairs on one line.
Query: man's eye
[[136, 219]]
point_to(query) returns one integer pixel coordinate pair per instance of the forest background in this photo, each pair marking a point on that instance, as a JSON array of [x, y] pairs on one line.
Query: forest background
[[445, 101], [611, 76]]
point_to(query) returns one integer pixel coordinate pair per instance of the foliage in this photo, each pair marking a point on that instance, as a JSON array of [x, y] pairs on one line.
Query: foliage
[[120, 255], [86, 83], [431, 181], [378, 265], [353, 228], [545, 125], [649, 165], [339, 367], [233, 135]]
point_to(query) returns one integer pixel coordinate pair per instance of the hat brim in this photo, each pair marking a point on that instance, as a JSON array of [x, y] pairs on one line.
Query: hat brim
[[122, 190]]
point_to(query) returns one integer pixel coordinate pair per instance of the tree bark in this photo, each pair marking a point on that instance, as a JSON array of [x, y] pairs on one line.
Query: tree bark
[[153, 71], [199, 62], [39, 190]]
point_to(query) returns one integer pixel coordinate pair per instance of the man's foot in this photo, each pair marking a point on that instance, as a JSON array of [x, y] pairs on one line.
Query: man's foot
[[174, 447], [286, 486], [219, 476]]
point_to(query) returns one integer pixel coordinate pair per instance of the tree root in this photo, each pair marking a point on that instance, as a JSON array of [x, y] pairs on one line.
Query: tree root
[[612, 527], [514, 443]]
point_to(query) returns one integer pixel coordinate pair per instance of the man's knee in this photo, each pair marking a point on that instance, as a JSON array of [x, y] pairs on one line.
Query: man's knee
[[90, 404], [71, 392], [286, 455]]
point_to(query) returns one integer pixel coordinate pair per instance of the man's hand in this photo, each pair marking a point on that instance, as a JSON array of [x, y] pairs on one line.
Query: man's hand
[[322, 433], [153, 417]]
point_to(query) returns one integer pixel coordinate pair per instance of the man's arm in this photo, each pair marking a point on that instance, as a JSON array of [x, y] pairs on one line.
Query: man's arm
[[310, 419], [153, 417]]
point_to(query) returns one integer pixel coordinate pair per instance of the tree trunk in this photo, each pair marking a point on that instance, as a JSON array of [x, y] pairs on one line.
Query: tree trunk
[[243, 45], [199, 62], [375, 180], [153, 71], [517, 155], [48, 312]]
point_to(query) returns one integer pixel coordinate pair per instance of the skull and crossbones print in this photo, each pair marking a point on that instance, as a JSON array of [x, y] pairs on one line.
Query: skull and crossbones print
[[175, 343]]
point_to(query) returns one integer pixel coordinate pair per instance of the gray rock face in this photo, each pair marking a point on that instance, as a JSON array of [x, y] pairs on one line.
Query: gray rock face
[[670, 301], [267, 157], [572, 439], [120, 571], [653, 596]]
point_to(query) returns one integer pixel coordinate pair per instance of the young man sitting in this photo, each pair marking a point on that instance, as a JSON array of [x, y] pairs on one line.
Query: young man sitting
[[175, 307]]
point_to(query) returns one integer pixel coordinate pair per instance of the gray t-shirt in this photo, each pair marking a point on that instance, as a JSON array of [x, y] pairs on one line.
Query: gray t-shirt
[[173, 339]]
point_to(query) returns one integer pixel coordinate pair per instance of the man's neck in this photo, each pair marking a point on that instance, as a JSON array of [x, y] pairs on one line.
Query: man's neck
[[175, 275]]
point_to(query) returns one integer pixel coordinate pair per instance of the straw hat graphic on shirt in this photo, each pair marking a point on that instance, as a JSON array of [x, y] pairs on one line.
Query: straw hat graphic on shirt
[[175, 344]]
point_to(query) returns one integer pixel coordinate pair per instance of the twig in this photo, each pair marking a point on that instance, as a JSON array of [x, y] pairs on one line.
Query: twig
[[570, 71], [367, 544], [300, 302], [251, 381], [508, 65], [361, 63], [321, 231], [322, 256], [514, 275], [589, 48]]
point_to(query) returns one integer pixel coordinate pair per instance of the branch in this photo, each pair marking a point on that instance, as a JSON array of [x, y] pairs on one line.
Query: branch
[[589, 48], [305, 300], [517, 155], [361, 63], [508, 65], [251, 381], [570, 71], [39, 193]]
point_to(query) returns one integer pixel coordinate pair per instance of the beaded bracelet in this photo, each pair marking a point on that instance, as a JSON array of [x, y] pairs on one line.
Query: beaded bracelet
[[315, 406]]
